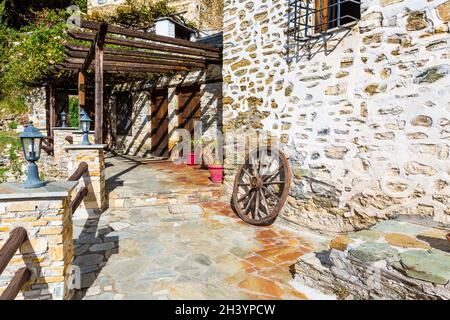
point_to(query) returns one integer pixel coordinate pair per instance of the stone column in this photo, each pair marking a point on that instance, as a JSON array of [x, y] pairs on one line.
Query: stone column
[[95, 201], [44, 212], [172, 96]]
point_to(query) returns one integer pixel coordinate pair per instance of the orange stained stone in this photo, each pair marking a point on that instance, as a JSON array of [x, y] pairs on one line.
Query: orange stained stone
[[267, 233], [261, 286], [291, 256], [278, 274], [273, 251], [246, 265], [259, 262]]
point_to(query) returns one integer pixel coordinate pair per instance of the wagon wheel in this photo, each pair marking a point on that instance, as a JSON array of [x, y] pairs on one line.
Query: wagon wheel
[[261, 186]]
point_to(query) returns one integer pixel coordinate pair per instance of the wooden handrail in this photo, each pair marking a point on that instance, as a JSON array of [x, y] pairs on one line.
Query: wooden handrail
[[16, 238], [69, 139], [20, 277], [82, 169], [48, 149], [78, 198]]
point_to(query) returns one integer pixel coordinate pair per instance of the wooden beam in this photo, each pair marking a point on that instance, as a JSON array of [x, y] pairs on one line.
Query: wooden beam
[[52, 108], [88, 36], [124, 68], [99, 40], [150, 36], [143, 54], [131, 59], [124, 63], [81, 93], [98, 93]]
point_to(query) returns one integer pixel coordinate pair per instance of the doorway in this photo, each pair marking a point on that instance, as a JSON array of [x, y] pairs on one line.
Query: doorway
[[160, 124], [189, 109]]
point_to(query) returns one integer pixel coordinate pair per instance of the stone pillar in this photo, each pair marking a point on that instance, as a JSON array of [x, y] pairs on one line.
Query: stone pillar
[[59, 162], [95, 201], [173, 117], [44, 212]]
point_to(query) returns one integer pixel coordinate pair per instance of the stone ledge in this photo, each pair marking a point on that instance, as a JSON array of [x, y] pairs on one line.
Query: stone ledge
[[85, 147], [76, 130], [54, 190]]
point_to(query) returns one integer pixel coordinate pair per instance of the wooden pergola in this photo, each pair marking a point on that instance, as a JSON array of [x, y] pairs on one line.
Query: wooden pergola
[[117, 50]]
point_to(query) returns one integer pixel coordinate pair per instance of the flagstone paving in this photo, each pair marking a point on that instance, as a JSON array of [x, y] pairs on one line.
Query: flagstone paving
[[152, 253]]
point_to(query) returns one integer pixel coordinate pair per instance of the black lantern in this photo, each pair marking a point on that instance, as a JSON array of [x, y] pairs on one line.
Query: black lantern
[[85, 124], [31, 140], [63, 120]]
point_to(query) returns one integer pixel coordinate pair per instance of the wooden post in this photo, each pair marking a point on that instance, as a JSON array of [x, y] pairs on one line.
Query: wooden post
[[52, 111], [99, 93], [81, 94]]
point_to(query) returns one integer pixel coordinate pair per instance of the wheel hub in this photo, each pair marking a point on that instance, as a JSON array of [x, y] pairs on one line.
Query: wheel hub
[[256, 183]]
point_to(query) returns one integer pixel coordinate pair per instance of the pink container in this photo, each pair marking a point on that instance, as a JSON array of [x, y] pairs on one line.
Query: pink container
[[192, 159], [216, 173]]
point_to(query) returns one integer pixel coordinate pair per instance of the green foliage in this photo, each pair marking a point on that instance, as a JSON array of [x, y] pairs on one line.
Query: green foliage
[[136, 14], [15, 162], [7, 138], [12, 125], [73, 112], [27, 55]]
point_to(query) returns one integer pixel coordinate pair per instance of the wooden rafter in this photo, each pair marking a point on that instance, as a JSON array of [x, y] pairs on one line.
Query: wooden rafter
[[99, 41], [133, 59], [150, 36], [89, 36]]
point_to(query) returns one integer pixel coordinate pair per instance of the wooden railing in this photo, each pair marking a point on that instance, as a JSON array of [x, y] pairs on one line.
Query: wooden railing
[[47, 145], [82, 169], [17, 237]]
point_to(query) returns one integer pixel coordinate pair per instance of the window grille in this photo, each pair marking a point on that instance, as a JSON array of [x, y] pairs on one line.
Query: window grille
[[311, 21]]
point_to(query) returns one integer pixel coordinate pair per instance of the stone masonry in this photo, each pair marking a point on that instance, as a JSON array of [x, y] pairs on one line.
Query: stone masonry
[[95, 201], [366, 127], [48, 252]]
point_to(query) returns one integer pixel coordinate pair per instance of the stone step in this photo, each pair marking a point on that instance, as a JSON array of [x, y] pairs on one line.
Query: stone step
[[126, 200]]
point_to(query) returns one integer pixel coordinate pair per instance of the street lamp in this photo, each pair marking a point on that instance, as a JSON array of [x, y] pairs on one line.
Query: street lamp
[[85, 124], [63, 119], [31, 140]]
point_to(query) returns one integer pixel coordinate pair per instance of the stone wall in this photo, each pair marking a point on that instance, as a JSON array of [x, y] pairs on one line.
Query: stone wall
[[366, 126]]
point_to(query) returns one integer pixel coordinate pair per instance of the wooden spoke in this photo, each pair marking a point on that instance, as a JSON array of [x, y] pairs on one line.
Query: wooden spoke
[[256, 212], [273, 182], [248, 205], [264, 202], [254, 198], [272, 194]]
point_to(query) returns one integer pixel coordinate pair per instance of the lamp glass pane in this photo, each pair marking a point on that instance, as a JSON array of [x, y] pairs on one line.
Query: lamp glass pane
[[28, 148], [37, 142], [85, 126]]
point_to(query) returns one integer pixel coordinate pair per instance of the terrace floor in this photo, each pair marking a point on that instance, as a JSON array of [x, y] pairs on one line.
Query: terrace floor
[[183, 250]]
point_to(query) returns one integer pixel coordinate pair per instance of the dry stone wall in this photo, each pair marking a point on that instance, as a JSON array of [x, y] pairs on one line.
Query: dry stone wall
[[366, 126]]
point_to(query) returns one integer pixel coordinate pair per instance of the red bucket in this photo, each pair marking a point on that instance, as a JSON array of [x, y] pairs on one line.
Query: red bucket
[[216, 173]]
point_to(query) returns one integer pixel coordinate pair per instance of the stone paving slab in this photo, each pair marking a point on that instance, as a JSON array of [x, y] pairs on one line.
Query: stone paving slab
[[150, 253]]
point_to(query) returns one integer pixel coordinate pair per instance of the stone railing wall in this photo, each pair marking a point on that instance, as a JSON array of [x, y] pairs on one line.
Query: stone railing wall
[[48, 252], [59, 161], [46, 215], [366, 126]]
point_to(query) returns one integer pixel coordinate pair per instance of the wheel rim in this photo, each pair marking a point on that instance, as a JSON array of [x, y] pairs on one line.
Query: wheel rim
[[261, 186]]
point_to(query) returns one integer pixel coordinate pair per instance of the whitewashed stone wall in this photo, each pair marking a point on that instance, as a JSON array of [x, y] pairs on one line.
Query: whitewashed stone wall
[[366, 127]]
